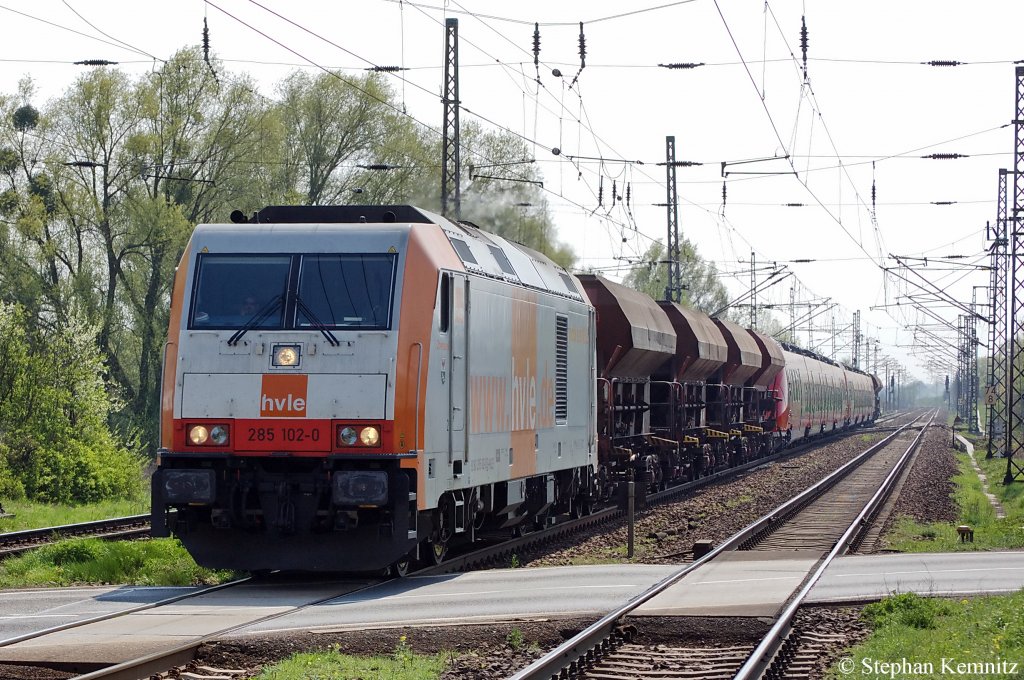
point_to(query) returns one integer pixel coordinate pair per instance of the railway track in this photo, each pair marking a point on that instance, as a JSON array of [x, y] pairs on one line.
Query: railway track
[[830, 516], [120, 528]]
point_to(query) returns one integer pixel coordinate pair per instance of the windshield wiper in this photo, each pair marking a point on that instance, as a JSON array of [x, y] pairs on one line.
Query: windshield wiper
[[257, 319], [315, 322]]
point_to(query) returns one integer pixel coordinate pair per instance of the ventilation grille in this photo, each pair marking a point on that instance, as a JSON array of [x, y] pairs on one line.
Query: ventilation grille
[[561, 369]]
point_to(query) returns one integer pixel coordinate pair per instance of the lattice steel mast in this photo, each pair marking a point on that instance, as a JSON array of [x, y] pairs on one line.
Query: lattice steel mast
[[451, 194], [674, 286], [1015, 361], [972, 366], [997, 329]]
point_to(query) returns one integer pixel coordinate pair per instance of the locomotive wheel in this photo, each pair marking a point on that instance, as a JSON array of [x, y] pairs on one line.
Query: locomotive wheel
[[436, 552], [400, 569]]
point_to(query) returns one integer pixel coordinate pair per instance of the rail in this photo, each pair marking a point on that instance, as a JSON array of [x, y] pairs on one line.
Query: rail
[[16, 542]]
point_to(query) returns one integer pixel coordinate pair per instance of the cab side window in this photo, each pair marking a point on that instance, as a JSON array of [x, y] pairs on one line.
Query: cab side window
[[446, 303]]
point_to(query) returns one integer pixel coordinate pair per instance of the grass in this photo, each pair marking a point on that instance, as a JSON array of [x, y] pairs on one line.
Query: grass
[[29, 515], [975, 510], [918, 630], [402, 664], [162, 562], [738, 501]]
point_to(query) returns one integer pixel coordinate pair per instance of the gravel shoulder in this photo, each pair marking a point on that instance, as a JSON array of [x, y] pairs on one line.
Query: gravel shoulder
[[927, 495]]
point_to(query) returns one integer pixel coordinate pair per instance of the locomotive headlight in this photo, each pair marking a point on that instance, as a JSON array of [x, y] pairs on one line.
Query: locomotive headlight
[[219, 435], [369, 436], [286, 355], [347, 436], [198, 434]]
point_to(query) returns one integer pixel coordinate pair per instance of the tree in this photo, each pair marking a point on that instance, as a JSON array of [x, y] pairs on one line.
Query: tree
[[54, 441], [332, 124], [701, 288]]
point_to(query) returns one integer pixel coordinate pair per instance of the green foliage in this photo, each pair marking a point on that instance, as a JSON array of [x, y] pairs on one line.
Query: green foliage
[[75, 472], [11, 487], [926, 631], [32, 515], [70, 552], [330, 665], [8, 160], [515, 639], [25, 118], [906, 609], [702, 291], [54, 442], [403, 655], [161, 562]]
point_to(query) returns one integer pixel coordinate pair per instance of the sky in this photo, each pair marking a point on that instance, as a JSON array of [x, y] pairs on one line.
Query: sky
[[864, 115]]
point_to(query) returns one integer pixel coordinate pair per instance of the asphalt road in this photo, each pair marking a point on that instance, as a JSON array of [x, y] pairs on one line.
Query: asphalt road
[[861, 577], [30, 610], [506, 594]]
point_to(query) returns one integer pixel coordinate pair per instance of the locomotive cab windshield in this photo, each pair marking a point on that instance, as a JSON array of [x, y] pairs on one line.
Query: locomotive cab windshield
[[293, 292]]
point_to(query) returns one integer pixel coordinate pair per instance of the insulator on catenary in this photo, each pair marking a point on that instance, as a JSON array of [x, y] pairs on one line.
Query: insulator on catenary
[[943, 62], [794, 205], [583, 48], [686, 64], [614, 193], [873, 193], [945, 156], [386, 69], [629, 188], [206, 50], [95, 62], [583, 56], [723, 194], [803, 42], [536, 49]]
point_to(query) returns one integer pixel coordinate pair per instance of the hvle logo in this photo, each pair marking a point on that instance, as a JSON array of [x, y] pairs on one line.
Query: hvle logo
[[283, 396]]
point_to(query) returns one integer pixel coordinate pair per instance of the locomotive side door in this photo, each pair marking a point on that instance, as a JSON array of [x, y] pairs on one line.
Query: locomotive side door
[[458, 360]]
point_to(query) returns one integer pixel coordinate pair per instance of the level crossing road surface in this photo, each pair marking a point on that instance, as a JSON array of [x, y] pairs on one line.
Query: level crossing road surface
[[478, 597], [870, 577], [501, 594], [28, 610]]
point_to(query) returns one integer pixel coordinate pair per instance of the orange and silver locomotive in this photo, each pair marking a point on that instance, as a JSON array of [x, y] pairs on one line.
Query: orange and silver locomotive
[[355, 387]]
